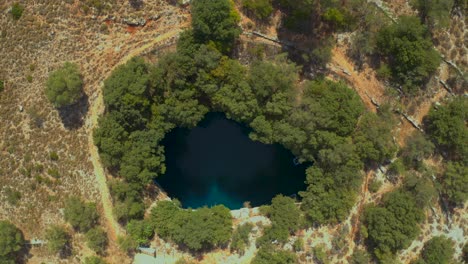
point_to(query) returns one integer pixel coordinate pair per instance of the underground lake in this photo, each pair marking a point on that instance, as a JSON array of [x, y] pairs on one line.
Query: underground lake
[[217, 163]]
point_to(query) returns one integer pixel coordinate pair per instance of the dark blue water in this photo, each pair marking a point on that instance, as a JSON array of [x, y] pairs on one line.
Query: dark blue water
[[217, 163]]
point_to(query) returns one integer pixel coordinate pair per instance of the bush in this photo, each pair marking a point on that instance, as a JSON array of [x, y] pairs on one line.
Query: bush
[[417, 148], [409, 50], [17, 11], [447, 128], [141, 231], [261, 8], [240, 238], [12, 196], [53, 156], [197, 230], [64, 86], [438, 250], [455, 183], [127, 244], [11, 240], [96, 239], [2, 86], [57, 238], [268, 255], [82, 216], [360, 257], [298, 244], [94, 260], [374, 185]]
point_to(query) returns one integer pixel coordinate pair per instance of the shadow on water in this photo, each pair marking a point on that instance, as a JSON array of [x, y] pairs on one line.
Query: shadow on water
[[217, 163]]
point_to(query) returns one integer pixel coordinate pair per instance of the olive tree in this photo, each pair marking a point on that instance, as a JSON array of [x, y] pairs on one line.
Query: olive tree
[[64, 86]]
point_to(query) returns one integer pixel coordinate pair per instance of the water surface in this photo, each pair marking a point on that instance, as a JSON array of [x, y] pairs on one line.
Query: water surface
[[217, 163]]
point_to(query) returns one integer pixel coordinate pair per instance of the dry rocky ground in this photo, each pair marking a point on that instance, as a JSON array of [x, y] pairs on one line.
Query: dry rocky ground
[[52, 32]]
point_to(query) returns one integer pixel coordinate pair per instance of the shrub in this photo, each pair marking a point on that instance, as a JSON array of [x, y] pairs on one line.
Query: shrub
[[455, 183], [13, 196], [94, 260], [261, 8], [298, 244], [11, 240], [2, 86], [360, 257], [375, 185], [96, 239], [141, 231], [53, 156], [409, 50], [438, 250], [57, 238], [126, 243], [17, 11], [82, 216], [240, 238], [268, 255], [64, 86]]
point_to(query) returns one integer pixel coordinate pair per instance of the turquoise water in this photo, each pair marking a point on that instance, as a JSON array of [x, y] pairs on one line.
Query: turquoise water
[[217, 163]]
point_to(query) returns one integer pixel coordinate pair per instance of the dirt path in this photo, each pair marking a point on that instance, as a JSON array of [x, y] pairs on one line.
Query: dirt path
[[97, 108]]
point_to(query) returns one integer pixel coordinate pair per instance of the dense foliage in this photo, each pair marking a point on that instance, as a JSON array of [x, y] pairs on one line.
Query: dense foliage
[[240, 238], [434, 12], [447, 128], [268, 255], [260, 8], [455, 183], [96, 239], [394, 224], [285, 219], [215, 22], [82, 216], [11, 242], [64, 86], [57, 238], [200, 229], [409, 52], [438, 250], [416, 149]]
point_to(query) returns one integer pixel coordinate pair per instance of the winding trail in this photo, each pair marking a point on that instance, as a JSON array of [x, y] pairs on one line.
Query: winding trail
[[97, 108]]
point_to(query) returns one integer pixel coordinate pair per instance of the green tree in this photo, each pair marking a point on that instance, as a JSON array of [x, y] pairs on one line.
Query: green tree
[[373, 138], [94, 260], [216, 22], [360, 257], [284, 213], [393, 225], [57, 238], [416, 149], [82, 216], [2, 86], [268, 255], [17, 10], [96, 239], [421, 188], [141, 231], [409, 50], [434, 12], [203, 228], [11, 241], [240, 238], [260, 8], [438, 250], [447, 127], [64, 86], [455, 183]]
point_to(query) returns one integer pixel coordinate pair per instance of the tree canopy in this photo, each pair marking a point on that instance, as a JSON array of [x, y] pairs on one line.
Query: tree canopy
[[393, 225], [408, 50], [438, 250], [64, 86], [215, 22], [57, 238], [200, 229], [268, 255], [11, 241], [446, 125], [82, 216]]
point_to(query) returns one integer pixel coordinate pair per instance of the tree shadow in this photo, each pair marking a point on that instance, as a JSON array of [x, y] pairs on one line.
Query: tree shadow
[[137, 4], [73, 116]]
